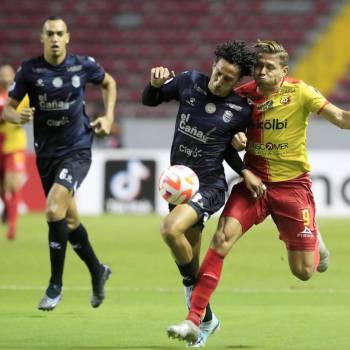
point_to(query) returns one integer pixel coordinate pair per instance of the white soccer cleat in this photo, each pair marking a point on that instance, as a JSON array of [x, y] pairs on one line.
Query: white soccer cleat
[[188, 295], [48, 304], [324, 254], [186, 331], [206, 330]]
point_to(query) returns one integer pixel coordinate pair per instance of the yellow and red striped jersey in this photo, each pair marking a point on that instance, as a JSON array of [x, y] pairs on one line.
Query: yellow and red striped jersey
[[13, 138], [276, 149]]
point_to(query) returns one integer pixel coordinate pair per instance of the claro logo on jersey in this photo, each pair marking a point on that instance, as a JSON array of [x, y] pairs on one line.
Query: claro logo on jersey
[[192, 131], [273, 124]]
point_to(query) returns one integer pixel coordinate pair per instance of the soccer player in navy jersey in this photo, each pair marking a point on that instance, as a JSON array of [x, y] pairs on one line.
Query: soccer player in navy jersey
[[55, 83], [209, 114]]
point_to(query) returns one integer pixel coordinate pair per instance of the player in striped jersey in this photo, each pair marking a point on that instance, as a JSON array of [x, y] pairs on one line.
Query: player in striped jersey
[[276, 151]]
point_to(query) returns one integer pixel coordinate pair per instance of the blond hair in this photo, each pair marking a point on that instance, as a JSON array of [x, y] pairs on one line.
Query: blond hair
[[274, 48]]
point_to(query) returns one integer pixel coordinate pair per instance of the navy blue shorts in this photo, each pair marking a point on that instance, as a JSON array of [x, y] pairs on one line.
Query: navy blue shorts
[[207, 201], [69, 170]]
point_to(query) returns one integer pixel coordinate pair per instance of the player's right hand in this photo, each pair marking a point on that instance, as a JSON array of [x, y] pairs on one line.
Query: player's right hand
[[159, 75], [239, 141], [26, 115]]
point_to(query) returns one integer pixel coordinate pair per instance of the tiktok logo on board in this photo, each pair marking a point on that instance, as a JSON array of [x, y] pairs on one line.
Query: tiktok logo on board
[[129, 186]]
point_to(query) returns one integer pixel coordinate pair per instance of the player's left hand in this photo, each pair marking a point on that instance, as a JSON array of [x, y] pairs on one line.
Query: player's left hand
[[253, 184], [239, 141], [102, 126]]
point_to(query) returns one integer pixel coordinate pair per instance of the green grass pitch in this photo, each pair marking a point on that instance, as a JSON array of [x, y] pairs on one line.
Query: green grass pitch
[[260, 304]]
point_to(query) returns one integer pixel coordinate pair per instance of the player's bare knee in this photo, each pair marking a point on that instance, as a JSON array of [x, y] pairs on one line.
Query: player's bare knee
[[167, 231], [72, 223], [221, 243], [53, 212]]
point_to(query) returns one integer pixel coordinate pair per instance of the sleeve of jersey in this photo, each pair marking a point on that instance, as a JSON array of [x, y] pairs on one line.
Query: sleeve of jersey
[[152, 96], [19, 87], [313, 100], [233, 159], [96, 72]]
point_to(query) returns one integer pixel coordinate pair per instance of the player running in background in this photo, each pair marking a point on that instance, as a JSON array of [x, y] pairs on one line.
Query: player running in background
[[209, 114], [13, 142], [55, 83], [276, 151]]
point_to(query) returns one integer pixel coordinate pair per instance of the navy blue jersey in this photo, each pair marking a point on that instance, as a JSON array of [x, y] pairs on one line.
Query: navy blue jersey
[[205, 125], [57, 93]]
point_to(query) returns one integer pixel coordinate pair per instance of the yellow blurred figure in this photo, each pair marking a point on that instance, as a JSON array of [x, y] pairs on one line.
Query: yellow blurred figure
[[13, 142]]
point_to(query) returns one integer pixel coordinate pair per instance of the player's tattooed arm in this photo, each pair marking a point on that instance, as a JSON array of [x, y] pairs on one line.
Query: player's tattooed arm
[[336, 116]]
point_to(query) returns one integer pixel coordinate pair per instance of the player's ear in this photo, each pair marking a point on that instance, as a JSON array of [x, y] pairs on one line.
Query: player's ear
[[41, 37], [67, 38], [285, 70]]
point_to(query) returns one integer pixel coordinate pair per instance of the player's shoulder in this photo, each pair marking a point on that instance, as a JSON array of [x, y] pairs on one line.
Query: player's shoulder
[[192, 75], [292, 84], [31, 64], [83, 60]]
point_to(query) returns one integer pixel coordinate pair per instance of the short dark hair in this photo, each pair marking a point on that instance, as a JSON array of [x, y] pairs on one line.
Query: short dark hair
[[53, 18], [274, 48], [238, 53]]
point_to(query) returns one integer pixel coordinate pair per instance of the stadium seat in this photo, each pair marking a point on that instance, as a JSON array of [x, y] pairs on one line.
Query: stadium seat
[[129, 37]]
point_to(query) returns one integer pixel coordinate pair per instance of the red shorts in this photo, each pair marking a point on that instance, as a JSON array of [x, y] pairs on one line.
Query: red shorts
[[291, 205], [15, 162]]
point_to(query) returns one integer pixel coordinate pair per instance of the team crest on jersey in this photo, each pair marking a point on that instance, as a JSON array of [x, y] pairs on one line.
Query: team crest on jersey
[[210, 108], [57, 82], [285, 100], [265, 106], [76, 81], [228, 115]]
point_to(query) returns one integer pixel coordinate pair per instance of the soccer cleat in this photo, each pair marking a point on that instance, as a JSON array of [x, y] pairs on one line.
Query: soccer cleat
[[186, 331], [206, 329], [324, 254], [51, 298], [98, 292], [188, 295]]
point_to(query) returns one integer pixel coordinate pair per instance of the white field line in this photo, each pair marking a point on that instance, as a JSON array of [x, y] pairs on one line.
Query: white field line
[[177, 290]]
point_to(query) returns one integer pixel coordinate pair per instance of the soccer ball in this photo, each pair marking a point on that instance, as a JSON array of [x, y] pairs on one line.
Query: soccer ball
[[178, 184]]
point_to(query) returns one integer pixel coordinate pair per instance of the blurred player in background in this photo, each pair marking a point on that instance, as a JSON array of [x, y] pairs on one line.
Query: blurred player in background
[[13, 142], [210, 113], [276, 151], [55, 83]]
